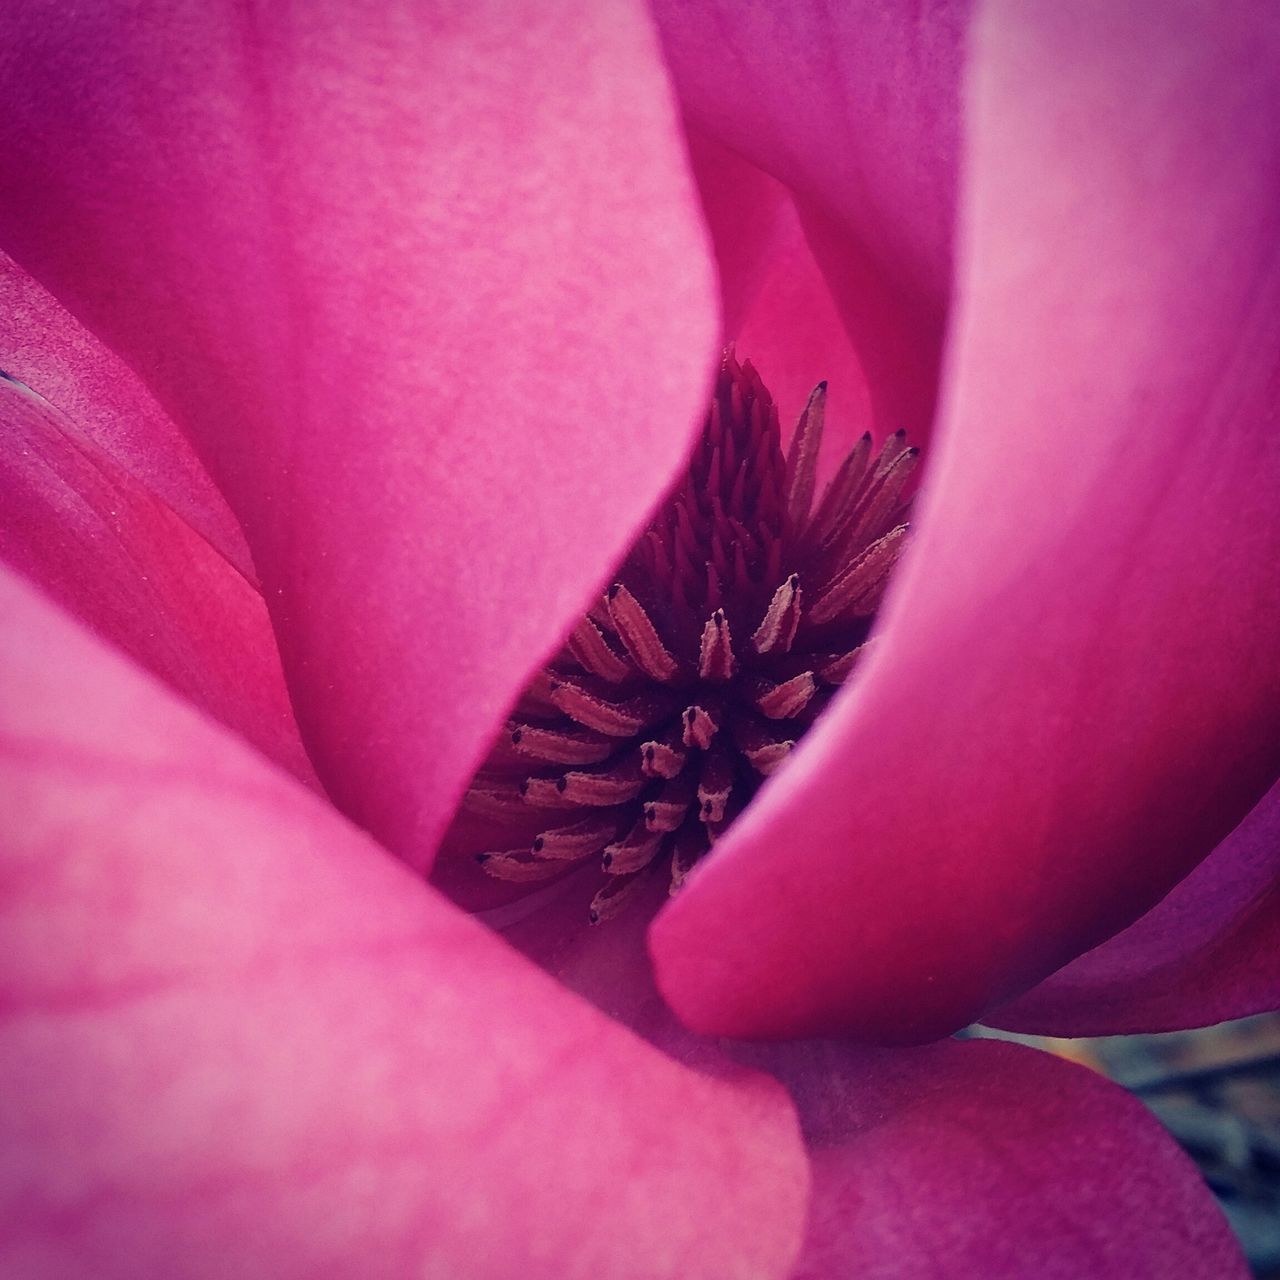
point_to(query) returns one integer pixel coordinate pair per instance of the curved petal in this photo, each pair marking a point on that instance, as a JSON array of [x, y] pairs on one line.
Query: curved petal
[[1206, 953], [111, 552], [994, 1160], [854, 108], [44, 347], [1075, 695], [439, 334], [957, 1160], [239, 1039]]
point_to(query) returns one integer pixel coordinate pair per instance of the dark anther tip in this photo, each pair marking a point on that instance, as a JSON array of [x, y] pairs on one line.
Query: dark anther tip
[[866, 435], [561, 783], [537, 844], [613, 590], [649, 753], [914, 451], [516, 735], [719, 615], [689, 714], [822, 386], [483, 857], [593, 916], [607, 860], [901, 433], [524, 787], [794, 580]]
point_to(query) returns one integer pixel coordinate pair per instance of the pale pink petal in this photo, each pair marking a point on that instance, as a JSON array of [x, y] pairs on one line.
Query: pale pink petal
[[854, 109], [989, 1159], [1206, 953], [238, 1039], [1075, 695], [109, 550], [428, 287], [44, 347]]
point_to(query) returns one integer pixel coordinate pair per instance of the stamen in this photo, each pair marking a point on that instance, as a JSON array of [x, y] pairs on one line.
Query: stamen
[[802, 458], [699, 727], [560, 745], [577, 839], [715, 660], [651, 730], [786, 699], [587, 644], [615, 719], [778, 630], [640, 636], [619, 782]]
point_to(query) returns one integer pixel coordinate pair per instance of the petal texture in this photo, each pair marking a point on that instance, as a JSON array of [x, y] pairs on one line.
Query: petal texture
[[1075, 695], [988, 1159], [112, 552], [438, 334], [955, 1160], [44, 347], [1207, 952], [854, 109], [237, 1039]]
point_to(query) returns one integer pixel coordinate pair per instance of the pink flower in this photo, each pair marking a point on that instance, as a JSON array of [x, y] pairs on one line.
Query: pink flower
[[429, 294]]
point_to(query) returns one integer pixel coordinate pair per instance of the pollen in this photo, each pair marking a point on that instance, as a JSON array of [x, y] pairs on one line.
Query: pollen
[[727, 630]]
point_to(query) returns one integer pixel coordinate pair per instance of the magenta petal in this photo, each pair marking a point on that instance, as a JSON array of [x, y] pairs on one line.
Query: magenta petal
[[240, 1040], [1208, 952], [124, 562], [45, 348], [854, 108], [428, 287], [1075, 695], [989, 1159]]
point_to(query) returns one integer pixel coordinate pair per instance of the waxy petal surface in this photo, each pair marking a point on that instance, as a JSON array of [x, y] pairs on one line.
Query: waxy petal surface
[[854, 108], [113, 553], [239, 1039], [1074, 696], [427, 287], [955, 1160], [44, 347], [1208, 952], [990, 1159]]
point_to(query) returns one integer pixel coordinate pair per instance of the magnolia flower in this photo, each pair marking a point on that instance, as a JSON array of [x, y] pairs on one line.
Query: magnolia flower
[[349, 349]]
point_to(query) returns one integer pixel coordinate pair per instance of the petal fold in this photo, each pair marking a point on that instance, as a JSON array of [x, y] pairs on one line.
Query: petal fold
[[991, 1159], [439, 336], [1074, 696], [1208, 952], [239, 1039], [854, 109]]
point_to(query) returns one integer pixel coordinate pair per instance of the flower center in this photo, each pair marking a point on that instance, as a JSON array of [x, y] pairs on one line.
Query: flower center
[[731, 623]]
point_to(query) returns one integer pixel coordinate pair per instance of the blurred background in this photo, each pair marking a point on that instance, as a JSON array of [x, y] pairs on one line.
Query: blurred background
[[1217, 1090]]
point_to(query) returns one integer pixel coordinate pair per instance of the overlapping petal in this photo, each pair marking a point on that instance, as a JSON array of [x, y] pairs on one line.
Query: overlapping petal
[[238, 1036], [428, 288], [1075, 695], [854, 108], [87, 530], [989, 1159], [951, 1160], [1206, 953]]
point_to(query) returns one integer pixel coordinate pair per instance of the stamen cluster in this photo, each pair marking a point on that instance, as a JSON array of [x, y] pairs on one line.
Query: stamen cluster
[[734, 618]]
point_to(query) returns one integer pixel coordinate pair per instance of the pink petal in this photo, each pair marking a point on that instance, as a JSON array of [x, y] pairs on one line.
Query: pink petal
[[956, 1160], [44, 347], [1206, 953], [428, 288], [989, 1159], [124, 562], [239, 1040], [1075, 695], [854, 108]]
